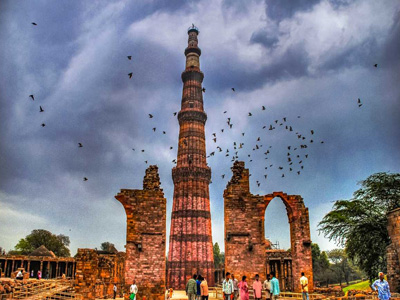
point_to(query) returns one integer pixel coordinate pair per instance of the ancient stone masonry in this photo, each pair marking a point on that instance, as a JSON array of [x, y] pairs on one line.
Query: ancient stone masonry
[[97, 272], [146, 236], [393, 251], [245, 239], [190, 245]]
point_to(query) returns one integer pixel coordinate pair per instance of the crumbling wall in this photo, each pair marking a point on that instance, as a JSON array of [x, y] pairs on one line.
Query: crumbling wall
[[245, 244], [146, 236], [97, 272], [393, 251]]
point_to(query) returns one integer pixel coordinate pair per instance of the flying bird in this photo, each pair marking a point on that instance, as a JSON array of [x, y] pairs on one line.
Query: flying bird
[[175, 113], [164, 132], [170, 148], [154, 129], [263, 107], [33, 97], [233, 89], [225, 112], [80, 145], [150, 116], [33, 23], [312, 131], [43, 124], [375, 65], [129, 57], [130, 75], [250, 114], [85, 179], [359, 102], [41, 109], [204, 90]]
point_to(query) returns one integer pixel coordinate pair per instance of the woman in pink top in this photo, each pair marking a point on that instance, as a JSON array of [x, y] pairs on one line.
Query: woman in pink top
[[244, 289], [257, 288]]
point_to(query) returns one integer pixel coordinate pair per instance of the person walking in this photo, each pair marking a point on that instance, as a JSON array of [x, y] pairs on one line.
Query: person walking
[[235, 288], [304, 286], [227, 286], [191, 288], [39, 274], [19, 276], [244, 289], [267, 287], [32, 274], [274, 287], [204, 289], [115, 290], [382, 286], [198, 282], [133, 290], [257, 288]]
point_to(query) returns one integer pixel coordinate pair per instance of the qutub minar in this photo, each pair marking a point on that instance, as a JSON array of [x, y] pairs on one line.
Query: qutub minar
[[190, 243]]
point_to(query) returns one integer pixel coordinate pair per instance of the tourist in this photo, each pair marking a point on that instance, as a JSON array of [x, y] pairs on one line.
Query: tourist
[[191, 288], [267, 287], [235, 288], [39, 274], [257, 288], [133, 290], [274, 287], [168, 293], [227, 287], [32, 274], [19, 276], [382, 286], [198, 282], [304, 286], [115, 290], [204, 289], [244, 289]]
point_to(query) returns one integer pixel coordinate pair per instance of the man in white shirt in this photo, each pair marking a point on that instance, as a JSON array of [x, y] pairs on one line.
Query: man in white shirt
[[115, 290], [227, 286], [267, 287], [133, 290], [304, 286]]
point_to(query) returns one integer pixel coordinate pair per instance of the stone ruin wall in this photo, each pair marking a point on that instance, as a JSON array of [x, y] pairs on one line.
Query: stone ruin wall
[[393, 251], [146, 236], [245, 244], [96, 273]]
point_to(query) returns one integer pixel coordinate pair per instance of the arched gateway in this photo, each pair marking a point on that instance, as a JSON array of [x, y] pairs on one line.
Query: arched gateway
[[246, 249]]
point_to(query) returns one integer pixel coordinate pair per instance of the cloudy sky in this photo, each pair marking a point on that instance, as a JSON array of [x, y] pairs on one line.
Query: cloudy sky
[[311, 59]]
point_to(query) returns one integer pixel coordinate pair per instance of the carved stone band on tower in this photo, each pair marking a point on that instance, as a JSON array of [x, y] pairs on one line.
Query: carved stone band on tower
[[190, 244]]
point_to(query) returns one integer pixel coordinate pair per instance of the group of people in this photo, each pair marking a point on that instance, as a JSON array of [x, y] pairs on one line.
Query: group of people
[[197, 288], [232, 289]]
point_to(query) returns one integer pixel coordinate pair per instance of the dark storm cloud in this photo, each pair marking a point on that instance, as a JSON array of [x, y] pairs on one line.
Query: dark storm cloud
[[261, 37], [282, 9]]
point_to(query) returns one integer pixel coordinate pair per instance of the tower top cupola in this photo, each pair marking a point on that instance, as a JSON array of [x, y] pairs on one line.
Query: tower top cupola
[[193, 29]]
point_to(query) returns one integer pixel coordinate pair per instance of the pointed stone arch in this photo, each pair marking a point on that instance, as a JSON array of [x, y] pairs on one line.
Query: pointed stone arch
[[245, 245]]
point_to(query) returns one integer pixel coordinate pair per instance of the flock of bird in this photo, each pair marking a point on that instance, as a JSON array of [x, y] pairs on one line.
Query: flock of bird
[[295, 159]]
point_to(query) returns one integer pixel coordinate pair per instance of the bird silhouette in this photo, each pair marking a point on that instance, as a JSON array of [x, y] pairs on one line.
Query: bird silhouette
[[33, 23], [204, 90], [233, 89], [41, 109], [142, 150], [150, 116], [85, 179], [170, 148], [80, 145], [129, 57], [33, 97], [215, 140], [250, 114], [145, 161], [312, 131], [214, 134], [375, 65], [175, 113], [164, 132], [359, 102], [223, 175], [154, 129], [130, 75], [133, 149], [43, 124], [263, 107]]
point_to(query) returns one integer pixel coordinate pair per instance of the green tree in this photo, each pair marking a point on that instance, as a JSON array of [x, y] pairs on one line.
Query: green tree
[[320, 263], [107, 246], [56, 243], [360, 223], [219, 257]]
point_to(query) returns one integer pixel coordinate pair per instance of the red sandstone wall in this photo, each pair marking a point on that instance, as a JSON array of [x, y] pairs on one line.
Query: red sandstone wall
[[245, 245], [146, 236], [393, 253]]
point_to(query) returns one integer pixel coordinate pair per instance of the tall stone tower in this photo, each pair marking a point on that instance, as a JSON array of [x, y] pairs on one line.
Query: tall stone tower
[[190, 244]]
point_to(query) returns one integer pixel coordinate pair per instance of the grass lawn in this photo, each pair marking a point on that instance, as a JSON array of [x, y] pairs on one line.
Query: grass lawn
[[363, 285]]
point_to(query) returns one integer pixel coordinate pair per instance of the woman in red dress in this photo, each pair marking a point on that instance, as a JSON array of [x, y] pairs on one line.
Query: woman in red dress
[[244, 289]]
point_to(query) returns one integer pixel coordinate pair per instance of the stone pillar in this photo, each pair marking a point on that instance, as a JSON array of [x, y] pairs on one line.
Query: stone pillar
[[12, 266], [146, 237], [56, 269], [87, 261], [393, 252], [5, 268]]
